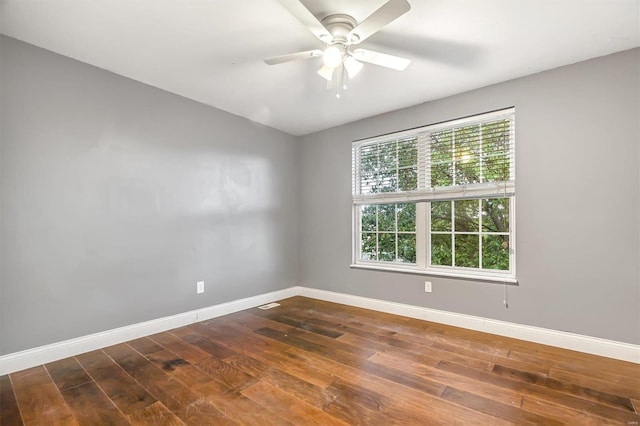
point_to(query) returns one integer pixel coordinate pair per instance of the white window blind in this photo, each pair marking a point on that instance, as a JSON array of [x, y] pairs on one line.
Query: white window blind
[[466, 158]]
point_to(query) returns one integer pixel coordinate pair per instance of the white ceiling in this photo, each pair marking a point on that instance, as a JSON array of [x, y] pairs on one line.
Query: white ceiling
[[212, 50]]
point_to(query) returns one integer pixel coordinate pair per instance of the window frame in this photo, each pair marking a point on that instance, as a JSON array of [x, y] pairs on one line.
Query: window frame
[[424, 195]]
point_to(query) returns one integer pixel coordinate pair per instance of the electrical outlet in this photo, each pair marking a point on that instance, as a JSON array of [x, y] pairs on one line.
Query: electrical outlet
[[200, 287], [427, 286]]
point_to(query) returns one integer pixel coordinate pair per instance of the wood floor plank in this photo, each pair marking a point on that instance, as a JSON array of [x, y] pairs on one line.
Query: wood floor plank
[[564, 414], [496, 393], [612, 385], [405, 405], [238, 338], [9, 411], [356, 405], [416, 368], [39, 399], [421, 384], [615, 401], [179, 347], [90, 406], [26, 372], [190, 405], [301, 323], [202, 411], [179, 368], [287, 406], [496, 409], [271, 352], [333, 344], [432, 356], [315, 395], [248, 320], [586, 364], [292, 340], [384, 333], [226, 373], [145, 346], [67, 373], [541, 392], [120, 387], [153, 415], [243, 410], [208, 346]]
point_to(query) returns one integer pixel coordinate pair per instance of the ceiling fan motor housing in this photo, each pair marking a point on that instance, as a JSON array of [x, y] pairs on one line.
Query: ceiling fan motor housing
[[340, 25]]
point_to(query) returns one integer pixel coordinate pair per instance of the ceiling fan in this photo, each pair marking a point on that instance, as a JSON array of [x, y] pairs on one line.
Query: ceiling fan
[[341, 33]]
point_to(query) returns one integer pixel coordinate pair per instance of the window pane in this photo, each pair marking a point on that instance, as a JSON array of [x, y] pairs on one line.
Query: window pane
[[495, 252], [442, 174], [467, 171], [387, 217], [466, 213], [368, 159], [495, 215], [368, 218], [407, 248], [408, 179], [495, 168], [389, 166], [387, 181], [408, 153], [495, 145], [441, 147], [387, 247], [387, 156], [495, 137], [441, 249], [368, 183], [467, 251], [368, 248], [406, 217], [441, 216]]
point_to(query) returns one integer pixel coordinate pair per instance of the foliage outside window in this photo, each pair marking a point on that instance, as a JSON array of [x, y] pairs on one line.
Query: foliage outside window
[[439, 199]]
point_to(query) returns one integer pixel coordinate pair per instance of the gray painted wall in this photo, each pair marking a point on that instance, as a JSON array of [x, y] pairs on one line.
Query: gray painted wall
[[578, 214], [117, 197]]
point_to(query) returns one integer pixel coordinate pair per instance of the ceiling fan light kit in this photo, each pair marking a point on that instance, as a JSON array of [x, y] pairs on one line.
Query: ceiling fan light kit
[[339, 32]]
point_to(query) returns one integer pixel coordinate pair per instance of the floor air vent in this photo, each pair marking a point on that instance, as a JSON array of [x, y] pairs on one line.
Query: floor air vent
[[269, 306]]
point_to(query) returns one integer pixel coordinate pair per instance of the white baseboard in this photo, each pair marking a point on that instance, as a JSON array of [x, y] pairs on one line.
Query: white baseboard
[[41, 355], [577, 342]]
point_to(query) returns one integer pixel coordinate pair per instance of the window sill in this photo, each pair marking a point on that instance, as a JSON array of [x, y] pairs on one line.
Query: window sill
[[409, 270]]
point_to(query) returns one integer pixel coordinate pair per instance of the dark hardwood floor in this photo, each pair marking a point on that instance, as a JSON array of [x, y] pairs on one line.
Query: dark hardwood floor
[[313, 362]]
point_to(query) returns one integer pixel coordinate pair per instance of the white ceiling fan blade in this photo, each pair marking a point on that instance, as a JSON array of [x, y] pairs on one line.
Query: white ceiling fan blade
[[293, 57], [299, 10], [390, 11], [382, 59]]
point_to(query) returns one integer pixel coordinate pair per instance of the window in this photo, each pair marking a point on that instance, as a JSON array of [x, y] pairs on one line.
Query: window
[[439, 199]]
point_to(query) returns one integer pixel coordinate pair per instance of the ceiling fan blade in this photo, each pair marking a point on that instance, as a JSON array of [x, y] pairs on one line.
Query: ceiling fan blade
[[293, 57], [390, 11], [382, 59], [304, 15]]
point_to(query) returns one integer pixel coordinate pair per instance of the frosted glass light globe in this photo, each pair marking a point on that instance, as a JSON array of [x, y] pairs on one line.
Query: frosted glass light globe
[[332, 56]]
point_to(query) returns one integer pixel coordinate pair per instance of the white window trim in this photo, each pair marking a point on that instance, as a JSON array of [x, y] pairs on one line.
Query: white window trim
[[423, 196]]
